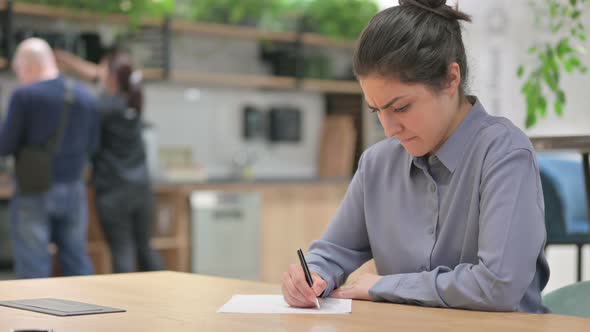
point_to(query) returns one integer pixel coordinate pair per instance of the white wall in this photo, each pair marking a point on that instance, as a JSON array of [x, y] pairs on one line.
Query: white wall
[[209, 121]]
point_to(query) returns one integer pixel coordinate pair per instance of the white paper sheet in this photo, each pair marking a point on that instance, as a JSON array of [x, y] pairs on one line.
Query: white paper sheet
[[274, 304]]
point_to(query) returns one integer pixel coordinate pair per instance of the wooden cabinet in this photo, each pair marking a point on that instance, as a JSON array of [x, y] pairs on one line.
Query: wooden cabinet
[[293, 215], [170, 235]]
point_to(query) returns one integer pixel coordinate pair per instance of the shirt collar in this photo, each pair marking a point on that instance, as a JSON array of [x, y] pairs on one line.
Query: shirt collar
[[451, 152]]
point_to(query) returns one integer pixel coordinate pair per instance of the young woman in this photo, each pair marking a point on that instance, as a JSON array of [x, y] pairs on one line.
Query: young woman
[[124, 199], [450, 206]]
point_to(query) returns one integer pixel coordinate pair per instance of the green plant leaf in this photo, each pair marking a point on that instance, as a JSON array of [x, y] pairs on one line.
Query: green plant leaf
[[568, 66], [563, 48], [573, 3], [556, 27], [549, 76], [576, 14], [575, 62], [520, 71], [553, 10], [542, 106], [558, 108], [525, 88], [561, 96], [531, 119]]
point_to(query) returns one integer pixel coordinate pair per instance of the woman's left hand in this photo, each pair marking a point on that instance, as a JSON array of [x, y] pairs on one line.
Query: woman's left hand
[[357, 289]]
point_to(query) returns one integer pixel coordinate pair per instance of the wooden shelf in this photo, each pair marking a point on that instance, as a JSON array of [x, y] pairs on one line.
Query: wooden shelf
[[230, 31], [213, 29], [152, 74], [168, 243], [314, 39], [235, 80], [255, 81], [3, 63], [241, 32], [76, 15], [331, 86]]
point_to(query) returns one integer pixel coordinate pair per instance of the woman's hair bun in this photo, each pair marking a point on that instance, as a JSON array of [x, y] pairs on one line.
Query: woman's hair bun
[[438, 7], [432, 3]]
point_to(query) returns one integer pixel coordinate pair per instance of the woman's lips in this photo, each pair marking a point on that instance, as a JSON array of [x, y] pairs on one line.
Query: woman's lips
[[407, 139]]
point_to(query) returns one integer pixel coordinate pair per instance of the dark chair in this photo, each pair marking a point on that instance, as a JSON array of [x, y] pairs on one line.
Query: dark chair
[[566, 212]]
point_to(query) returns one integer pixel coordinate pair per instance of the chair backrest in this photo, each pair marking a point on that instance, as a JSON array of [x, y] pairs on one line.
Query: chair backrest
[[562, 179], [554, 214], [571, 300]]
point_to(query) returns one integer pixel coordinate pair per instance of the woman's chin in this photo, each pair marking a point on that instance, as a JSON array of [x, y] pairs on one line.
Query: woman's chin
[[416, 150]]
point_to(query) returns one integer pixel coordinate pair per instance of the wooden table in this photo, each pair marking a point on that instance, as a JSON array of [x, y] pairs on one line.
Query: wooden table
[[175, 301]]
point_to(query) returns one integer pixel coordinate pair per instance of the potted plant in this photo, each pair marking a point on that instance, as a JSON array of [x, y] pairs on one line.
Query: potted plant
[[238, 12], [136, 9], [340, 19]]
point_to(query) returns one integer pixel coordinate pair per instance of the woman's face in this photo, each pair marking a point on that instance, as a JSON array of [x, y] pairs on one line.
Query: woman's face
[[419, 118]]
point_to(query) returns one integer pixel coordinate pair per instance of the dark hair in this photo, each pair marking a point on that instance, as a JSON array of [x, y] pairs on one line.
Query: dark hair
[[129, 80], [414, 42]]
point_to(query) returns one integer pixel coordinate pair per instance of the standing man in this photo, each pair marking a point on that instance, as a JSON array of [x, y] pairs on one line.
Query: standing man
[[59, 214]]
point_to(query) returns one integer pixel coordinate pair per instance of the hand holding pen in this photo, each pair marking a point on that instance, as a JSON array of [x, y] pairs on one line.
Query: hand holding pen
[[308, 278], [296, 287]]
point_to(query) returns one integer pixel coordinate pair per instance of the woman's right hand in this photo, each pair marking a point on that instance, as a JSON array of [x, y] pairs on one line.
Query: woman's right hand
[[84, 69], [63, 58], [297, 292]]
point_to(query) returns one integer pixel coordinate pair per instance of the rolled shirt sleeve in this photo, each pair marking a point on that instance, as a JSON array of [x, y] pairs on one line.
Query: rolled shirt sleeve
[[345, 244]]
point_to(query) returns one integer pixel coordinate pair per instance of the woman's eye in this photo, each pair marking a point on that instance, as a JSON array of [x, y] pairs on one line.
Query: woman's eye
[[373, 110], [401, 109]]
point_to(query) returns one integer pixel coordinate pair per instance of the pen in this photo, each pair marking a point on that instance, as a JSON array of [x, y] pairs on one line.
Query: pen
[[307, 274]]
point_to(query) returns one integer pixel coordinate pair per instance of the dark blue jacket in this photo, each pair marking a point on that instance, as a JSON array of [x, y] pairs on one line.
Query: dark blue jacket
[[33, 116]]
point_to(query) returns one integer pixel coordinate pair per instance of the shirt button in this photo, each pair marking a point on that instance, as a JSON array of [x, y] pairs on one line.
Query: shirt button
[[430, 229], [432, 188]]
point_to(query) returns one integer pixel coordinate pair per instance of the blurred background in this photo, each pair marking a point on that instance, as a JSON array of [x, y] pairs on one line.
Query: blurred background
[[254, 122]]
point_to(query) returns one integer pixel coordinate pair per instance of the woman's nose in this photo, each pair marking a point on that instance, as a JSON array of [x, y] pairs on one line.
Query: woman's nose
[[395, 128]]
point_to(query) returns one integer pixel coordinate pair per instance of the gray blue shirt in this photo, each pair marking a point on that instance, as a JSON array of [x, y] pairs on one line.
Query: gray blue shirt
[[462, 228]]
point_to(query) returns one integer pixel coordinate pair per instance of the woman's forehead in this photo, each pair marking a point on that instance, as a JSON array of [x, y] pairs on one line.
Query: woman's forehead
[[379, 90]]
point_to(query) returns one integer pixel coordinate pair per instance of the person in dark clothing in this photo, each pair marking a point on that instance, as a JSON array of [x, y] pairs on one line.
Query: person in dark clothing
[[58, 215], [124, 199]]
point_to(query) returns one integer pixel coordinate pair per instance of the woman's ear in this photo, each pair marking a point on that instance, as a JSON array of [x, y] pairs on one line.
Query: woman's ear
[[453, 78]]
